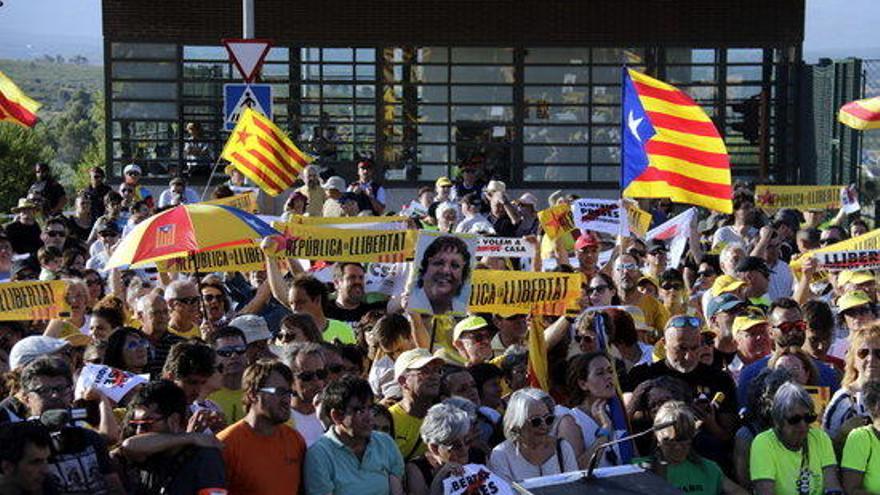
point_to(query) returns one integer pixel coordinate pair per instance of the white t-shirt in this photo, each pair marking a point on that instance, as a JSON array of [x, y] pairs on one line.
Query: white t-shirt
[[507, 462], [781, 281], [307, 425], [589, 427], [381, 378]]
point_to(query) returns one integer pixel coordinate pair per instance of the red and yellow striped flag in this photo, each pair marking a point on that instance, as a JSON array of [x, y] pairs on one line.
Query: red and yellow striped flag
[[861, 114], [670, 147], [15, 106], [264, 154]]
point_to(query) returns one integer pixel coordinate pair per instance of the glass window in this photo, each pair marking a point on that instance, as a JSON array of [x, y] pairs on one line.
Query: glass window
[[554, 173], [144, 110], [151, 51], [566, 75], [479, 55], [143, 70], [745, 55], [205, 53], [144, 90], [556, 154], [482, 94], [571, 56], [482, 74]]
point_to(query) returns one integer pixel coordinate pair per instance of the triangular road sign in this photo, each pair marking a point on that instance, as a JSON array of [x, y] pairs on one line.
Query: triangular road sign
[[247, 55]]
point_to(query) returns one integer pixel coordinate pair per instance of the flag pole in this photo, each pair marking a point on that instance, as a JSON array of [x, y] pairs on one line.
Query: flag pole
[[213, 171]]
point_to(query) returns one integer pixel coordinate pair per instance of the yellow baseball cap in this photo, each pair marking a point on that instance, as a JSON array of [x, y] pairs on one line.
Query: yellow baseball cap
[[852, 277], [852, 299], [469, 324], [650, 280], [746, 322], [726, 283], [78, 339], [413, 360], [443, 182]]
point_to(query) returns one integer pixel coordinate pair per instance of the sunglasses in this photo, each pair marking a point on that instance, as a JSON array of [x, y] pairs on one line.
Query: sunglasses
[[145, 422], [671, 286], [285, 337], [307, 376], [636, 253], [336, 368], [127, 190], [55, 233], [791, 326], [212, 297], [589, 339], [187, 300], [477, 336], [684, 321], [229, 351], [279, 392], [136, 344], [863, 353], [598, 288], [862, 310], [624, 267], [539, 421], [455, 445], [133, 174], [807, 418], [706, 273]]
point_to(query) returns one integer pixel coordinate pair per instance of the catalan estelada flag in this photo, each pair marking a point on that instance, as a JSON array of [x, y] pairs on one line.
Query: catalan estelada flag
[[264, 154], [861, 114], [15, 106], [670, 148]]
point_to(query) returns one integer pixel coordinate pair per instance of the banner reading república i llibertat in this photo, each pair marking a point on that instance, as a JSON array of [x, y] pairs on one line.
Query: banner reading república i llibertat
[[357, 245], [869, 241], [771, 197], [22, 301], [509, 293], [242, 258]]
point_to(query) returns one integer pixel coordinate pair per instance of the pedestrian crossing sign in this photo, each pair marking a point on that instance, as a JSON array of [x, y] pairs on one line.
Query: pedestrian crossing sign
[[237, 97]]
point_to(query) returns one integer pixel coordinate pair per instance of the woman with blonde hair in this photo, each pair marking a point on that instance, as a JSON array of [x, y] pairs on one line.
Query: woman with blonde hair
[[846, 409]]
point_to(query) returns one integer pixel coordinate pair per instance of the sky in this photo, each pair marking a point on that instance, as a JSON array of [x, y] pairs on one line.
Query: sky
[[834, 28]]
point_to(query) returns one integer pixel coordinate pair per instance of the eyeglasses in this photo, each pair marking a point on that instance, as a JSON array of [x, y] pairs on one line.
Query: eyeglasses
[[671, 286], [455, 445], [857, 311], [791, 326], [226, 352], [55, 233], [598, 288], [136, 344], [797, 418], [588, 339], [212, 297], [623, 267], [133, 173], [307, 376], [477, 336], [49, 391], [276, 391], [539, 421], [187, 300], [684, 321], [863, 353]]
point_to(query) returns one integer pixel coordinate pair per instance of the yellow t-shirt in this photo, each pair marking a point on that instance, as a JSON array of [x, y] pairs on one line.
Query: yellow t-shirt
[[192, 333], [862, 453], [771, 460], [406, 433], [655, 313], [230, 401]]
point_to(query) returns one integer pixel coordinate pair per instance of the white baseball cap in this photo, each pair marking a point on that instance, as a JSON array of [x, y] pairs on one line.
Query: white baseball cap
[[131, 167], [254, 328], [29, 348], [496, 186], [528, 199], [335, 182]]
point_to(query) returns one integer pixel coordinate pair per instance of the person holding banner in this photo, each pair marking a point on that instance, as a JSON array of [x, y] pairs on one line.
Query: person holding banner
[[444, 269]]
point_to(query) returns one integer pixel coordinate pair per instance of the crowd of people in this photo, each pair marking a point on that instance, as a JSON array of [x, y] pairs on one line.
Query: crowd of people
[[757, 370]]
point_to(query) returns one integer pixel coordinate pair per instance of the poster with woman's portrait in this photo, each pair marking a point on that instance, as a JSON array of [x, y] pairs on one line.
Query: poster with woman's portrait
[[441, 275]]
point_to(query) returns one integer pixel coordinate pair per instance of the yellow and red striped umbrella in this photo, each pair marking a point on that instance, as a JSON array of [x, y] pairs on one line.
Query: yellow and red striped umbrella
[[187, 229], [861, 114]]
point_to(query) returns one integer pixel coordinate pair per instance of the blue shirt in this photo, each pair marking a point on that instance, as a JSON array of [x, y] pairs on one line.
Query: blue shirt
[[331, 467], [828, 377]]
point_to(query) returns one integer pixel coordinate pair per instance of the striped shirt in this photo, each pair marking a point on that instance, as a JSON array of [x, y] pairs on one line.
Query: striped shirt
[[842, 407]]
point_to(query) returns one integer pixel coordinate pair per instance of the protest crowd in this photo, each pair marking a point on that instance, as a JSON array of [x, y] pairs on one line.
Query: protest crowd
[[466, 342]]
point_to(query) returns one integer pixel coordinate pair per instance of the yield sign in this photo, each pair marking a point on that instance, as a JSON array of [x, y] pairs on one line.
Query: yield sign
[[247, 55]]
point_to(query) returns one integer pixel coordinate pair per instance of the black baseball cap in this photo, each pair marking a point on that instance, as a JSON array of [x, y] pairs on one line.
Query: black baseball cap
[[753, 264]]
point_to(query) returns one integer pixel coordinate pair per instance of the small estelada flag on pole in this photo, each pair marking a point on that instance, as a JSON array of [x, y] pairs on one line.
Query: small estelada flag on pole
[[15, 106], [264, 154]]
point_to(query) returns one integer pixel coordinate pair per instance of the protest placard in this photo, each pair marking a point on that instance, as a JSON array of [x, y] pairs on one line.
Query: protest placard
[[849, 260], [441, 274], [675, 232], [504, 247], [556, 221], [244, 258], [508, 293], [475, 479], [869, 241], [246, 201], [600, 215], [386, 278], [772, 198], [24, 301], [639, 220], [332, 244], [110, 382], [366, 223]]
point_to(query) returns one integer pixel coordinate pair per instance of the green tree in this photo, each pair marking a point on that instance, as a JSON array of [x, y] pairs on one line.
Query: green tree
[[20, 149]]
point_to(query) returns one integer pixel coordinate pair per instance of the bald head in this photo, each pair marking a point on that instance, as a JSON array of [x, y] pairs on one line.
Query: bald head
[[682, 344]]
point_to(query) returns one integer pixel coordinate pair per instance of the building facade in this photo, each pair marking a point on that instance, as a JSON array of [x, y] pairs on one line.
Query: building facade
[[530, 88]]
